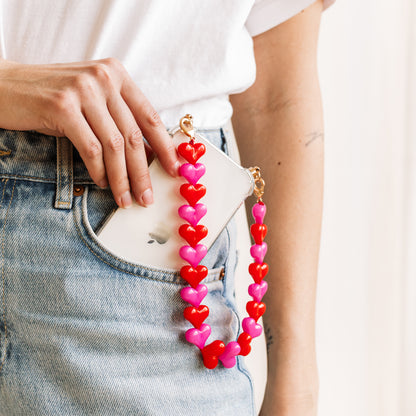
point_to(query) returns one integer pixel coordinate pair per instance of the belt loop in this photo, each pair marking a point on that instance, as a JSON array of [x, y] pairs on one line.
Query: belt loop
[[64, 173]]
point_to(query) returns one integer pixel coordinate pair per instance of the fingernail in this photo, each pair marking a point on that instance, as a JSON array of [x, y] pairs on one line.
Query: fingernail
[[126, 201], [176, 168], [103, 183], [147, 197]]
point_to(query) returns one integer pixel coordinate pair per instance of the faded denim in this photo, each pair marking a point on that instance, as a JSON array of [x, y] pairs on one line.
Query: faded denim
[[83, 332]]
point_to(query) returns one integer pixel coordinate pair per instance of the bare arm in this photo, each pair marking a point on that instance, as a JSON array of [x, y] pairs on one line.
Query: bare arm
[[278, 126]]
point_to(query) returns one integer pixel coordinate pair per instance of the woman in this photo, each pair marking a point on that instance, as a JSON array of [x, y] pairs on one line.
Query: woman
[[83, 331]]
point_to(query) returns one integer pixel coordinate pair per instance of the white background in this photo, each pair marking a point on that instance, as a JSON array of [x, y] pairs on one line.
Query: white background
[[366, 318]]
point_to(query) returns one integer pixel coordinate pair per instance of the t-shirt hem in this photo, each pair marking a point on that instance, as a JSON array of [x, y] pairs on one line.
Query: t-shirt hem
[[267, 14]]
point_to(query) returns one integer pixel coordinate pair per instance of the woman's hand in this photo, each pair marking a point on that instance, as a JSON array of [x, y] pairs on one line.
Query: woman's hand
[[101, 110]]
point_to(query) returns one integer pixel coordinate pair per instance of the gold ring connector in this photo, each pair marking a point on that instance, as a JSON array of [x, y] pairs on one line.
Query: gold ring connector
[[187, 126], [259, 183]]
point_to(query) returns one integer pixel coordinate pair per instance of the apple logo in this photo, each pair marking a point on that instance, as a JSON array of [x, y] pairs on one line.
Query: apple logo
[[160, 234]]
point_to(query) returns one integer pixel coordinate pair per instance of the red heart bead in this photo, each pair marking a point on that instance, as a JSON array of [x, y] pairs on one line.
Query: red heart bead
[[258, 271], [196, 316], [244, 341], [194, 275], [255, 309], [192, 193], [191, 151], [193, 235], [258, 231], [211, 352]]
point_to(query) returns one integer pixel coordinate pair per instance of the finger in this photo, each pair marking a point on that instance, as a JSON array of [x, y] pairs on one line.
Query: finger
[[136, 159], [151, 126], [150, 154], [112, 142], [89, 148]]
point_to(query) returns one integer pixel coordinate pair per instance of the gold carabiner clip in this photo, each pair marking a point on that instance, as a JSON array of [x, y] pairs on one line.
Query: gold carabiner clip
[[259, 183], [187, 126]]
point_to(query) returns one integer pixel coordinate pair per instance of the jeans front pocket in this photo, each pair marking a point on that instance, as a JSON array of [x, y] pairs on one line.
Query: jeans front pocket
[[90, 211]]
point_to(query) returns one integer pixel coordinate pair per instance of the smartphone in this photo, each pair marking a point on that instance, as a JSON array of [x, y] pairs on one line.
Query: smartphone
[[149, 235]]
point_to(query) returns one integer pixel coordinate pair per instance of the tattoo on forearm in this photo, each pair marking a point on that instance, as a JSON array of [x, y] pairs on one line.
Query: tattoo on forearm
[[269, 337], [313, 136]]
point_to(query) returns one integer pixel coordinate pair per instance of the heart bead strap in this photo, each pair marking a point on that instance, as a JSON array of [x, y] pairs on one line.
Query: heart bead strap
[[193, 232]]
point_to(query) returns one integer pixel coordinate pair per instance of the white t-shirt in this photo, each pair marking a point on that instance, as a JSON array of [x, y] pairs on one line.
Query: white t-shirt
[[186, 56]]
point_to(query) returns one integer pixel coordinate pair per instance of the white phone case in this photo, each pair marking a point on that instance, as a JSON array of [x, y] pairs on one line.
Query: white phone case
[[149, 235]]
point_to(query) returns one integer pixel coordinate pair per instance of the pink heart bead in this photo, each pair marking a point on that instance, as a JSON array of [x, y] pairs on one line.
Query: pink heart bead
[[194, 296], [199, 336], [192, 214], [259, 211], [193, 255], [258, 251], [192, 173], [251, 327], [257, 290], [228, 356]]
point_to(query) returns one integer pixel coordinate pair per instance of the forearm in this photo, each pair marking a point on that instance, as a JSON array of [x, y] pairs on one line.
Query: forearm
[[278, 126], [285, 138]]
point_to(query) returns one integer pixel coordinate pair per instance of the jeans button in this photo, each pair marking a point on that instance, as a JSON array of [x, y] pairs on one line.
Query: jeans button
[[78, 190]]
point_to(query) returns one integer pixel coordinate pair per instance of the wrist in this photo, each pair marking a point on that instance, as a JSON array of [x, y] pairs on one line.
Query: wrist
[[293, 360], [292, 388], [297, 405], [292, 370]]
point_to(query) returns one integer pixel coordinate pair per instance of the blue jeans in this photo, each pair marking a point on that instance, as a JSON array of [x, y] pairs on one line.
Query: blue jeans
[[83, 332]]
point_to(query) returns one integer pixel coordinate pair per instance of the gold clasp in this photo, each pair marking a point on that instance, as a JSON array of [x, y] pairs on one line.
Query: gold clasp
[[187, 126], [259, 183]]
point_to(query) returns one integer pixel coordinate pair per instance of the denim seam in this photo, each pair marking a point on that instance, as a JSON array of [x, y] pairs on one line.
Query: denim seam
[[37, 178], [3, 293], [71, 172], [83, 181], [58, 170], [234, 311], [2, 273], [247, 374]]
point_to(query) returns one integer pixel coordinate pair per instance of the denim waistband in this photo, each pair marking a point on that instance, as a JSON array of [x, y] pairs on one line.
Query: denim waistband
[[29, 155]]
